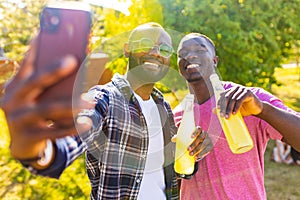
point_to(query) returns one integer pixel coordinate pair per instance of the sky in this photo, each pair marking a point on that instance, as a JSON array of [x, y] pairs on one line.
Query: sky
[[120, 5]]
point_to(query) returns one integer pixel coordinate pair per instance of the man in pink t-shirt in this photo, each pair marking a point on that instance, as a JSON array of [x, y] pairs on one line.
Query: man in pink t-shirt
[[222, 174]]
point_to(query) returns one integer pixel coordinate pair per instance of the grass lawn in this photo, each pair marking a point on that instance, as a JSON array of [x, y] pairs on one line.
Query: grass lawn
[[281, 181]]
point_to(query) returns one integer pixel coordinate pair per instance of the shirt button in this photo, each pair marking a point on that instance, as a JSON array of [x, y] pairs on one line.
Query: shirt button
[[138, 180]]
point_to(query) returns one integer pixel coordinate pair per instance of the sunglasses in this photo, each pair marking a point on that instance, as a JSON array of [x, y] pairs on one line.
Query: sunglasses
[[146, 45]]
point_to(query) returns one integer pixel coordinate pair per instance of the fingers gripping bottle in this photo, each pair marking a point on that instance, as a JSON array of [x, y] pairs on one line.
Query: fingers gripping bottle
[[235, 129], [185, 165]]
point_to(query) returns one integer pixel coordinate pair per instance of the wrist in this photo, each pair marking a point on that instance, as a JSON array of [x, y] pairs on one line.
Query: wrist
[[264, 110], [23, 149], [44, 158]]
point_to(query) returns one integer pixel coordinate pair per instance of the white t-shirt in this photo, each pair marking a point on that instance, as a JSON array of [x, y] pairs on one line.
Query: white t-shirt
[[153, 183]]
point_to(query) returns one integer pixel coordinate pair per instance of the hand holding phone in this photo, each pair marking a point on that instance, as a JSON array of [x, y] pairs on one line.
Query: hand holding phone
[[41, 90], [64, 30]]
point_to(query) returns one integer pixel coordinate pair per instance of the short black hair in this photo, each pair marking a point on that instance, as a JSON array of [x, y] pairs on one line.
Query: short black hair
[[148, 24], [203, 36]]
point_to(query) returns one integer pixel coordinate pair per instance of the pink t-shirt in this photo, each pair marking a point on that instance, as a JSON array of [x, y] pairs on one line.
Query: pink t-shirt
[[222, 174]]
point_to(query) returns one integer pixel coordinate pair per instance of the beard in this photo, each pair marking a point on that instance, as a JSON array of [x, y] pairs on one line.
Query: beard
[[145, 71], [191, 79], [195, 72]]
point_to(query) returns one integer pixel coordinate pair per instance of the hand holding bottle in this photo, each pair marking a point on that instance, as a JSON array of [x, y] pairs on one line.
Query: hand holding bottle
[[192, 143], [201, 144], [239, 98], [234, 127]]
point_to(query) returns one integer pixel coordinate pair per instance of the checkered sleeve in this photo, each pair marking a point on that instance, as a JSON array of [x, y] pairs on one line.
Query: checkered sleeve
[[66, 151]]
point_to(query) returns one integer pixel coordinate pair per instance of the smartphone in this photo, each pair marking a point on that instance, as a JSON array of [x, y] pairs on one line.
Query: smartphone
[[64, 29]]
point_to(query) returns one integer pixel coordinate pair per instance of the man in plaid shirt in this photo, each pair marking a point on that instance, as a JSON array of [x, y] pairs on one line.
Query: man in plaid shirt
[[127, 137]]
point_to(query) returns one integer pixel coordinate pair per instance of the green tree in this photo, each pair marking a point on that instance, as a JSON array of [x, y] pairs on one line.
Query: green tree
[[252, 37], [116, 27], [19, 22]]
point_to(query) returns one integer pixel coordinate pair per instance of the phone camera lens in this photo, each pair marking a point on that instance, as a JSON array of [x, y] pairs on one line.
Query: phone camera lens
[[54, 20], [50, 20]]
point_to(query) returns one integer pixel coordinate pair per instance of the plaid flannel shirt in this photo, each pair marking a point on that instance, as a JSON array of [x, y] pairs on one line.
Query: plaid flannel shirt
[[117, 145]]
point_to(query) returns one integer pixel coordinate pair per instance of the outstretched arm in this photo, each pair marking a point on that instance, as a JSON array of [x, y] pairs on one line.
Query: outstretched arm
[[286, 123]]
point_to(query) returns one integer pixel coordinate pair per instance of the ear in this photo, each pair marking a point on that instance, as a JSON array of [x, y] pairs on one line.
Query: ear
[[126, 50], [216, 60]]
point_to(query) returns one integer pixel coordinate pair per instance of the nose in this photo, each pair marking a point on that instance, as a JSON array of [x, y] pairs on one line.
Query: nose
[[154, 51], [191, 55]]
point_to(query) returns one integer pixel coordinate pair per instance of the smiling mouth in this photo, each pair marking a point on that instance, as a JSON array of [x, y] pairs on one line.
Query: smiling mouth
[[192, 66], [152, 66]]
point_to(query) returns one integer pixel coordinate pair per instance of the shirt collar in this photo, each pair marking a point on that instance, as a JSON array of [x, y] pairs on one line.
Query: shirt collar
[[123, 85]]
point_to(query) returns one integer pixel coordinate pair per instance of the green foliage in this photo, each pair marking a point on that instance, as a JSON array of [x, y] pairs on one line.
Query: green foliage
[[18, 25], [252, 38], [288, 87], [280, 178], [117, 26], [17, 182]]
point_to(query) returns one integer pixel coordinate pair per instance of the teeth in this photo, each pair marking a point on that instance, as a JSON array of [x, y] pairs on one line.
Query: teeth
[[152, 64], [192, 66]]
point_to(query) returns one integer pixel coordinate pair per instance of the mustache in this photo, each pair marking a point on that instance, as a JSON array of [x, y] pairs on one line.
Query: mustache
[[184, 63], [140, 60]]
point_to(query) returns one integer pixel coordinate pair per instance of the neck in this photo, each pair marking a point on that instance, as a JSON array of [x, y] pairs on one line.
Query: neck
[[202, 91], [144, 92], [140, 88]]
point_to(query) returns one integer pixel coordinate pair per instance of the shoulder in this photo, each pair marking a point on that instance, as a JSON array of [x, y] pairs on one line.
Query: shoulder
[[104, 91]]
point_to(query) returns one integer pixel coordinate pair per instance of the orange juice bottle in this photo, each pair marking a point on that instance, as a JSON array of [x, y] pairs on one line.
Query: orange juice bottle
[[235, 129], [184, 163]]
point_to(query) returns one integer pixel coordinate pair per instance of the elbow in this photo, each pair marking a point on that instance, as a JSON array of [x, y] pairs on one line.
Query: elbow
[[295, 143]]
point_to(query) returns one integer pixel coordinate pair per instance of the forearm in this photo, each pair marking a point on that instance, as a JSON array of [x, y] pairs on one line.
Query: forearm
[[286, 123]]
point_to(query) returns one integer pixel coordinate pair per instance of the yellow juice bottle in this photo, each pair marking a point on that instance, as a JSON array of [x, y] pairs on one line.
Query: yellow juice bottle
[[235, 129], [184, 163]]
